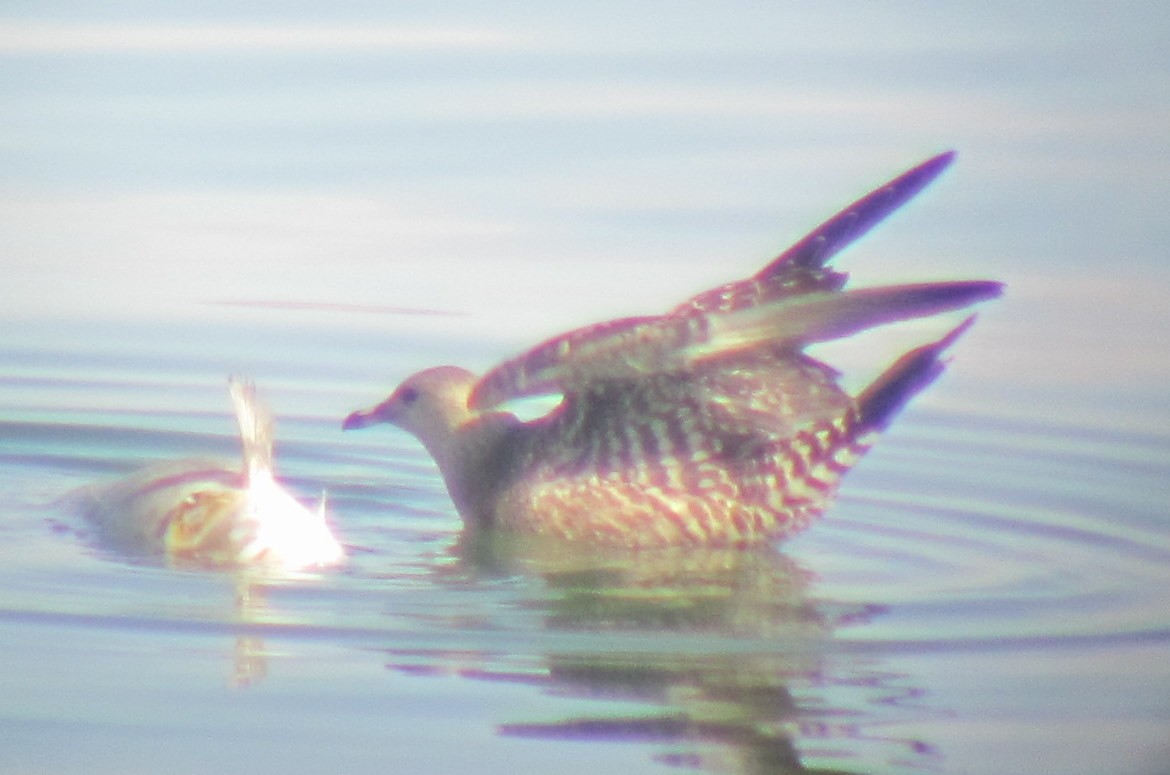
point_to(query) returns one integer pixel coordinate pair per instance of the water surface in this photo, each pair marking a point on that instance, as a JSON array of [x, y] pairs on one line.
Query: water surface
[[329, 201]]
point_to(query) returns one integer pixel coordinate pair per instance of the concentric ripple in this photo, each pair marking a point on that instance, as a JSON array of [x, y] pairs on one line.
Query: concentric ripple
[[967, 550]]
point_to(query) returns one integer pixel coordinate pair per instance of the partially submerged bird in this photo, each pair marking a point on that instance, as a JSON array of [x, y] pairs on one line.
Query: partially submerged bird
[[200, 513], [707, 425]]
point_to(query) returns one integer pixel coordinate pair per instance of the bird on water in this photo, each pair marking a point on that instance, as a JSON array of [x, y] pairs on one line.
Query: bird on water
[[707, 425], [199, 513]]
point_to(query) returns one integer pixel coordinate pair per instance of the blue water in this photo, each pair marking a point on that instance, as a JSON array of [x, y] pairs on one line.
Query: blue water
[[329, 199]]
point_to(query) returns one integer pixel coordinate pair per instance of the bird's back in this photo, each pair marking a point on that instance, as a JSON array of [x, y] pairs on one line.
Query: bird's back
[[724, 456]]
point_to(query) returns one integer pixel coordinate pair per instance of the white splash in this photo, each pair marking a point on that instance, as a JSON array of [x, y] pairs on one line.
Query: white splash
[[205, 514]]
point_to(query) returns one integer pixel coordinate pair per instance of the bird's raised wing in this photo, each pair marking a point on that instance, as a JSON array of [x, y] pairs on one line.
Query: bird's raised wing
[[255, 424], [792, 302], [802, 268]]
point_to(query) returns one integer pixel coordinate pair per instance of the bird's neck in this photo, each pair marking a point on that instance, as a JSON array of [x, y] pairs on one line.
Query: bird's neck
[[474, 459]]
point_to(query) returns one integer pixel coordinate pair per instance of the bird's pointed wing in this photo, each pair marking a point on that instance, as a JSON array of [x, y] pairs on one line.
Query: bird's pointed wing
[[681, 344], [825, 241], [793, 301], [821, 317], [255, 425], [801, 268]]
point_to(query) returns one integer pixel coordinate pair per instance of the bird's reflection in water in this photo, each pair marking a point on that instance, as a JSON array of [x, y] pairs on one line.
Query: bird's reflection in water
[[249, 655], [724, 653]]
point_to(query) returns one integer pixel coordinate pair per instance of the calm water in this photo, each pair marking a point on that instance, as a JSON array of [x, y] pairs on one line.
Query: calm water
[[330, 200]]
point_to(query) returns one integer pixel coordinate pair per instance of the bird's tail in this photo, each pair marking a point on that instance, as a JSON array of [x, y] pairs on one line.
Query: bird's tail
[[883, 399]]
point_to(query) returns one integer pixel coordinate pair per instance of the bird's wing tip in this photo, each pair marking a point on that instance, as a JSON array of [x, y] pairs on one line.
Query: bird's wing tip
[[254, 423]]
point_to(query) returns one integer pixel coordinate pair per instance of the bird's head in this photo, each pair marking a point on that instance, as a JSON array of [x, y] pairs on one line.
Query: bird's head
[[431, 404]]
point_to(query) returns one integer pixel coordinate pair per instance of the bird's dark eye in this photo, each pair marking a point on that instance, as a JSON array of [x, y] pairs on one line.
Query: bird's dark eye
[[408, 395]]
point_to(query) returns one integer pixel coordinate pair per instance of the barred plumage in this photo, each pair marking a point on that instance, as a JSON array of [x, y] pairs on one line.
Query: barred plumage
[[707, 425]]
